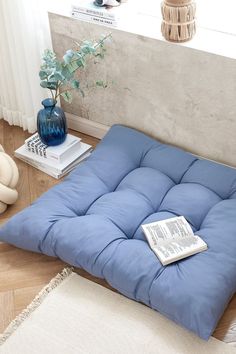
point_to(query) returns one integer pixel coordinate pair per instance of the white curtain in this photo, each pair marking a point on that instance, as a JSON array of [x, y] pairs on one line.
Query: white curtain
[[24, 34]]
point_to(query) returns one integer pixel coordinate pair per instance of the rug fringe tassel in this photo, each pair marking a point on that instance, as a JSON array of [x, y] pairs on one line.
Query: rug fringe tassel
[[57, 280]]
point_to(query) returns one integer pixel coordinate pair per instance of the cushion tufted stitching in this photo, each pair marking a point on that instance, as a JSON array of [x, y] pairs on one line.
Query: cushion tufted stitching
[[111, 256], [107, 246], [143, 197], [232, 189], [40, 245], [109, 190], [154, 211], [176, 214], [118, 227], [140, 193], [154, 169], [137, 288], [154, 146], [202, 185], [165, 173], [94, 201], [200, 227], [165, 196], [157, 169], [191, 164], [89, 206], [100, 179], [232, 195], [141, 224], [193, 226], [157, 275], [126, 174], [119, 182]]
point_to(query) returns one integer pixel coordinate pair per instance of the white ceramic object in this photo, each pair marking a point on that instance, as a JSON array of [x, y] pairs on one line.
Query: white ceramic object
[[109, 2], [9, 176]]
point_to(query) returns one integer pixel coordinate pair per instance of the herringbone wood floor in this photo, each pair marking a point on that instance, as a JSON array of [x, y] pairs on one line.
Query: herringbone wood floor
[[22, 273]]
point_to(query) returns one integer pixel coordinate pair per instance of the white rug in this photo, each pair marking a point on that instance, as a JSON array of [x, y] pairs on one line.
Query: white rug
[[81, 317]]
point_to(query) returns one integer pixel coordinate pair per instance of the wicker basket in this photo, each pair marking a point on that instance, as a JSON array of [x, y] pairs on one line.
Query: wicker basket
[[178, 23]]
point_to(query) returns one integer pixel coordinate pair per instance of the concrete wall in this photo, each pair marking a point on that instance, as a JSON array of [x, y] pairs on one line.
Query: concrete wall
[[178, 95]]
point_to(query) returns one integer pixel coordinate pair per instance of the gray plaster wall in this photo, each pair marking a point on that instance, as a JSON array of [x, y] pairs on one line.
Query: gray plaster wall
[[178, 95]]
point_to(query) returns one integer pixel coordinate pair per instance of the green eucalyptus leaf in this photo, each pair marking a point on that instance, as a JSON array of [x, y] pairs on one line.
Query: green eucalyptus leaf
[[75, 84], [54, 73], [87, 48], [73, 66], [52, 85], [44, 84], [43, 74], [51, 78], [49, 58], [101, 83], [48, 85], [68, 56], [78, 55], [58, 76], [67, 96], [100, 55], [66, 73], [81, 62]]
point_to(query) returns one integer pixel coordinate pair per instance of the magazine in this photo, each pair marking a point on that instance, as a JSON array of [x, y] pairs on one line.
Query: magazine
[[52, 172], [53, 167], [59, 153], [173, 239], [110, 16]]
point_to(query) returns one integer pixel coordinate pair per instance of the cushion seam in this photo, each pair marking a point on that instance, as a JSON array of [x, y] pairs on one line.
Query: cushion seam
[[191, 164]]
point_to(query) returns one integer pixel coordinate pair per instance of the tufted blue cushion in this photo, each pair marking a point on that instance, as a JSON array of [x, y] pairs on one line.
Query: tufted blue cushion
[[92, 220]]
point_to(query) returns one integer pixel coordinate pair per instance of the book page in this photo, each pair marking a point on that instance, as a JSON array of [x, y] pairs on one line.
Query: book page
[[168, 229], [179, 248], [173, 239]]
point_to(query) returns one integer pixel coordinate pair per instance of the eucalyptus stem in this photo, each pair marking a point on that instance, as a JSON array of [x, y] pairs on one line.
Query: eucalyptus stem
[[97, 45], [55, 74], [52, 94], [71, 89], [102, 40], [57, 93]]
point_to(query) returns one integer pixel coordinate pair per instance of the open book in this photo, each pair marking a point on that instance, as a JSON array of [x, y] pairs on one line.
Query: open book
[[173, 239]]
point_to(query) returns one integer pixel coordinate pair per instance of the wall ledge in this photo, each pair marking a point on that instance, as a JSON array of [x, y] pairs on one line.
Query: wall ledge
[[207, 40]]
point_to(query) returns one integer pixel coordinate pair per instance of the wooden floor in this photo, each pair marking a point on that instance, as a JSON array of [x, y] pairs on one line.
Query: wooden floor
[[23, 274]]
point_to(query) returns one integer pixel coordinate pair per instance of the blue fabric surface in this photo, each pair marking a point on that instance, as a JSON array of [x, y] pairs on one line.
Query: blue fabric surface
[[92, 220]]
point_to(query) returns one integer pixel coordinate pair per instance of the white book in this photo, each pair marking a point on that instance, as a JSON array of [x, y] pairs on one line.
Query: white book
[[51, 172], [88, 7], [94, 19], [106, 15], [56, 167], [58, 153], [173, 239]]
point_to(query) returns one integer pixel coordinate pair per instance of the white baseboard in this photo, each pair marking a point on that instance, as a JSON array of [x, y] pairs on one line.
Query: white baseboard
[[86, 126]]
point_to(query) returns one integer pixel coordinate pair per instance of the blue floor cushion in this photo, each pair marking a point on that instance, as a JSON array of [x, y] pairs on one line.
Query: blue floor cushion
[[92, 220]]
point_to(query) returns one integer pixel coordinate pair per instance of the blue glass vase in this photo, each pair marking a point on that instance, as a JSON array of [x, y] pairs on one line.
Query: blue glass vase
[[51, 123]]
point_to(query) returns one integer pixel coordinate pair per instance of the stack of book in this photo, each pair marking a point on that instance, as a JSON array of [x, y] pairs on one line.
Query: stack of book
[[56, 161], [106, 15]]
